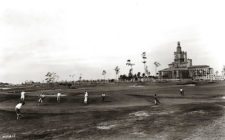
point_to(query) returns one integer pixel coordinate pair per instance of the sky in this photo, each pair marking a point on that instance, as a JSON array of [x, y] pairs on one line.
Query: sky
[[86, 37]]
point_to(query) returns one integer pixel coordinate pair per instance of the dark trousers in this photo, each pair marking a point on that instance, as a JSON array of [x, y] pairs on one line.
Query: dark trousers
[[182, 93], [18, 111], [103, 98]]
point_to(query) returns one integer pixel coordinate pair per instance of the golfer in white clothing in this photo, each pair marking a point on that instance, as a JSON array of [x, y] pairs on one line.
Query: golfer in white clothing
[[86, 97], [41, 98], [22, 97], [58, 97], [17, 109], [103, 97], [181, 92]]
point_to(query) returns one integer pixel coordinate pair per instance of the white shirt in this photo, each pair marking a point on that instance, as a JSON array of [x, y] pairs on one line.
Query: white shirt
[[42, 95], [58, 94], [18, 106], [22, 94], [181, 89], [86, 94]]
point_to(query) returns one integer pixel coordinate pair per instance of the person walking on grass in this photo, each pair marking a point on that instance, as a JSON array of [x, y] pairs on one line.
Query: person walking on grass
[[156, 100], [41, 98], [85, 97], [22, 97], [103, 97], [17, 109], [181, 92], [58, 97]]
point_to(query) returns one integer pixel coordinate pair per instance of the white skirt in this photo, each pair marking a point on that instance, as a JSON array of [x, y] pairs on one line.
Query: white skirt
[[85, 100]]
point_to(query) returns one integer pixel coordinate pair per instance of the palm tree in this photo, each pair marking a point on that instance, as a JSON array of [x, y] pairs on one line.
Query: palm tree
[[144, 60], [144, 57], [104, 73], [217, 72], [72, 76], [147, 72], [157, 64], [223, 71], [80, 77], [51, 77], [129, 64], [117, 70]]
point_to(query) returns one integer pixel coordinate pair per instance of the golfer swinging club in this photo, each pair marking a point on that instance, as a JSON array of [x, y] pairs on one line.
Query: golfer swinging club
[[17, 109], [41, 98], [156, 100]]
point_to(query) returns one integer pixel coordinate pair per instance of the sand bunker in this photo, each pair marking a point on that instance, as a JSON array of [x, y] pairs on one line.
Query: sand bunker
[[139, 134], [106, 126], [136, 86], [139, 114], [196, 112], [162, 113]]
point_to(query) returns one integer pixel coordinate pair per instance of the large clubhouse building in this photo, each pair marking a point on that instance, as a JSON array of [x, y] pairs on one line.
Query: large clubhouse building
[[182, 68]]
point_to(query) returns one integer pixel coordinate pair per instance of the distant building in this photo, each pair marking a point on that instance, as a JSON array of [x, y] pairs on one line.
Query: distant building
[[182, 68]]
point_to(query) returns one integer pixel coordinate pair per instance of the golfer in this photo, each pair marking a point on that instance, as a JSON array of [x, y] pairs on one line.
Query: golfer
[[22, 97], [58, 97], [181, 92], [41, 98], [103, 97], [17, 109], [85, 97], [156, 100]]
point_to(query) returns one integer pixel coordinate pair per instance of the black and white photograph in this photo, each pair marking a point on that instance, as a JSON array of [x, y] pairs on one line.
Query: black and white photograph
[[112, 70]]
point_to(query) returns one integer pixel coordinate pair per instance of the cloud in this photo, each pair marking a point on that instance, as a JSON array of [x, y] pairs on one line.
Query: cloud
[[89, 36], [24, 19]]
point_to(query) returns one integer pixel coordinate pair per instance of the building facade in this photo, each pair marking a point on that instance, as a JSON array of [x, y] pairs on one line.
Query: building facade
[[182, 68]]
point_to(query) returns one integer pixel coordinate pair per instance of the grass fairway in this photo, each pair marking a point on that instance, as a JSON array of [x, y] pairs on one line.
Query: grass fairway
[[127, 113]]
